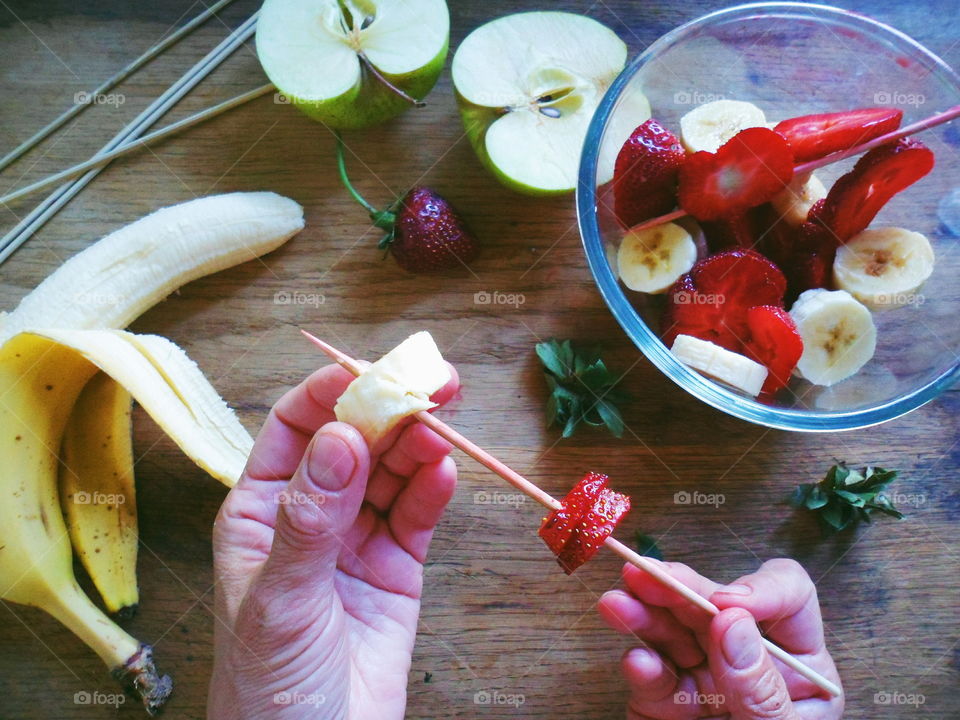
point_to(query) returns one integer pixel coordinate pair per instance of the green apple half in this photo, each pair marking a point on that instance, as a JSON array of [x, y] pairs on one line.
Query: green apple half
[[527, 86], [353, 63]]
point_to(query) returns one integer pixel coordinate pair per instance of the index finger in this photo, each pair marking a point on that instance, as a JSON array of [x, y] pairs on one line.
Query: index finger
[[293, 421], [783, 599]]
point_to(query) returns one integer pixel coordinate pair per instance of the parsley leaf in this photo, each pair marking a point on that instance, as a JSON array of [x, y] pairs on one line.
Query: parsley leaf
[[582, 389], [845, 496]]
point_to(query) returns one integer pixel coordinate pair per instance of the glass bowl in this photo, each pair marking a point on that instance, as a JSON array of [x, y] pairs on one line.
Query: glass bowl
[[794, 59]]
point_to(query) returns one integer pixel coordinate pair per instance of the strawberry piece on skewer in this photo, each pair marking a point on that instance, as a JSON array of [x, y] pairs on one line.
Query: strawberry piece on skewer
[[587, 516], [812, 137], [748, 170]]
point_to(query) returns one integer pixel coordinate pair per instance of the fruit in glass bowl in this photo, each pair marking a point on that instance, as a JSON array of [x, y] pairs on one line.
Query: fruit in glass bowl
[[773, 56]]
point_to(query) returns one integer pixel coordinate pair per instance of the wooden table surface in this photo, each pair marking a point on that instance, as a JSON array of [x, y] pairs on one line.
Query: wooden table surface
[[497, 615]]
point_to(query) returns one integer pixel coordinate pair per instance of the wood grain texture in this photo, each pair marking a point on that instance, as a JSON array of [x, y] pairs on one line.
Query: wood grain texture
[[497, 613]]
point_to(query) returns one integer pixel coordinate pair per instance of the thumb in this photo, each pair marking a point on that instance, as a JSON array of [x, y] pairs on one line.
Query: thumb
[[744, 672], [316, 510]]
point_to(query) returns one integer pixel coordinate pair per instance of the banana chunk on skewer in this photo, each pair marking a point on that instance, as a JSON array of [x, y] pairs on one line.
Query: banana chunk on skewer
[[838, 334], [793, 203], [397, 385], [884, 267]]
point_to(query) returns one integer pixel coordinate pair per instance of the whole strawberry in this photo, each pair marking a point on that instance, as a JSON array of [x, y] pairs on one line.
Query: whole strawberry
[[427, 235], [423, 231], [645, 175]]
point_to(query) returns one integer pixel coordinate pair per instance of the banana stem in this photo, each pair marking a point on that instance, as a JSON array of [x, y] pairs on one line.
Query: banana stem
[[130, 661]]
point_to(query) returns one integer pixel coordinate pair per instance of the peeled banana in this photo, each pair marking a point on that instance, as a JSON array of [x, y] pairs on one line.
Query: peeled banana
[[838, 334], [884, 267], [39, 382], [395, 386], [97, 491], [651, 260], [708, 126], [116, 279], [724, 365]]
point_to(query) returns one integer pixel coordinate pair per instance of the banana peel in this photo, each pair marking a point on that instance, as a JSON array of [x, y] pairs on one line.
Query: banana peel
[[98, 494]]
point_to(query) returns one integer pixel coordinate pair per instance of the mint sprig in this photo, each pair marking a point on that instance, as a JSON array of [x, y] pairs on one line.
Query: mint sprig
[[845, 496], [646, 545], [582, 389]]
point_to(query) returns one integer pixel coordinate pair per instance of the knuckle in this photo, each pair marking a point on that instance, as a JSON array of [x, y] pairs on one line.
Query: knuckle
[[784, 566], [767, 696]]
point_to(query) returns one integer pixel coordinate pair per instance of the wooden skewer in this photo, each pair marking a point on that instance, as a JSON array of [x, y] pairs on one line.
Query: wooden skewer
[[48, 207], [113, 80], [925, 124], [652, 567], [139, 144]]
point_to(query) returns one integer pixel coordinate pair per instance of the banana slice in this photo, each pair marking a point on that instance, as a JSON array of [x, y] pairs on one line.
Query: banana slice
[[652, 259], [731, 368], [838, 333], [710, 125], [883, 267], [395, 386], [793, 203]]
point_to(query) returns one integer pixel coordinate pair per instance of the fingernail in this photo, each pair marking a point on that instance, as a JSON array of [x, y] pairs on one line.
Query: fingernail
[[736, 589], [331, 462], [741, 644]]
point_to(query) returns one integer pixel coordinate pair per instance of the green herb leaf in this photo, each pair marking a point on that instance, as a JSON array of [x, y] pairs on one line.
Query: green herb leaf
[[582, 389], [646, 545], [846, 495]]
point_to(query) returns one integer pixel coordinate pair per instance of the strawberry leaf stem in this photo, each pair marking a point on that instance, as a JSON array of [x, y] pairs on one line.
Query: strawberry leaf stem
[[383, 219]]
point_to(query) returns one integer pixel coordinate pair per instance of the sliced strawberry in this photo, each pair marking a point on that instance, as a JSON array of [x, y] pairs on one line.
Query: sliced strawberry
[[559, 525], [857, 197], [816, 136], [749, 169], [774, 342], [645, 175], [742, 231], [712, 300], [595, 526]]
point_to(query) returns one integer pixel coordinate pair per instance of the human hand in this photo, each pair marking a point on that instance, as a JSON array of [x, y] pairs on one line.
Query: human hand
[[318, 562], [696, 666]]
